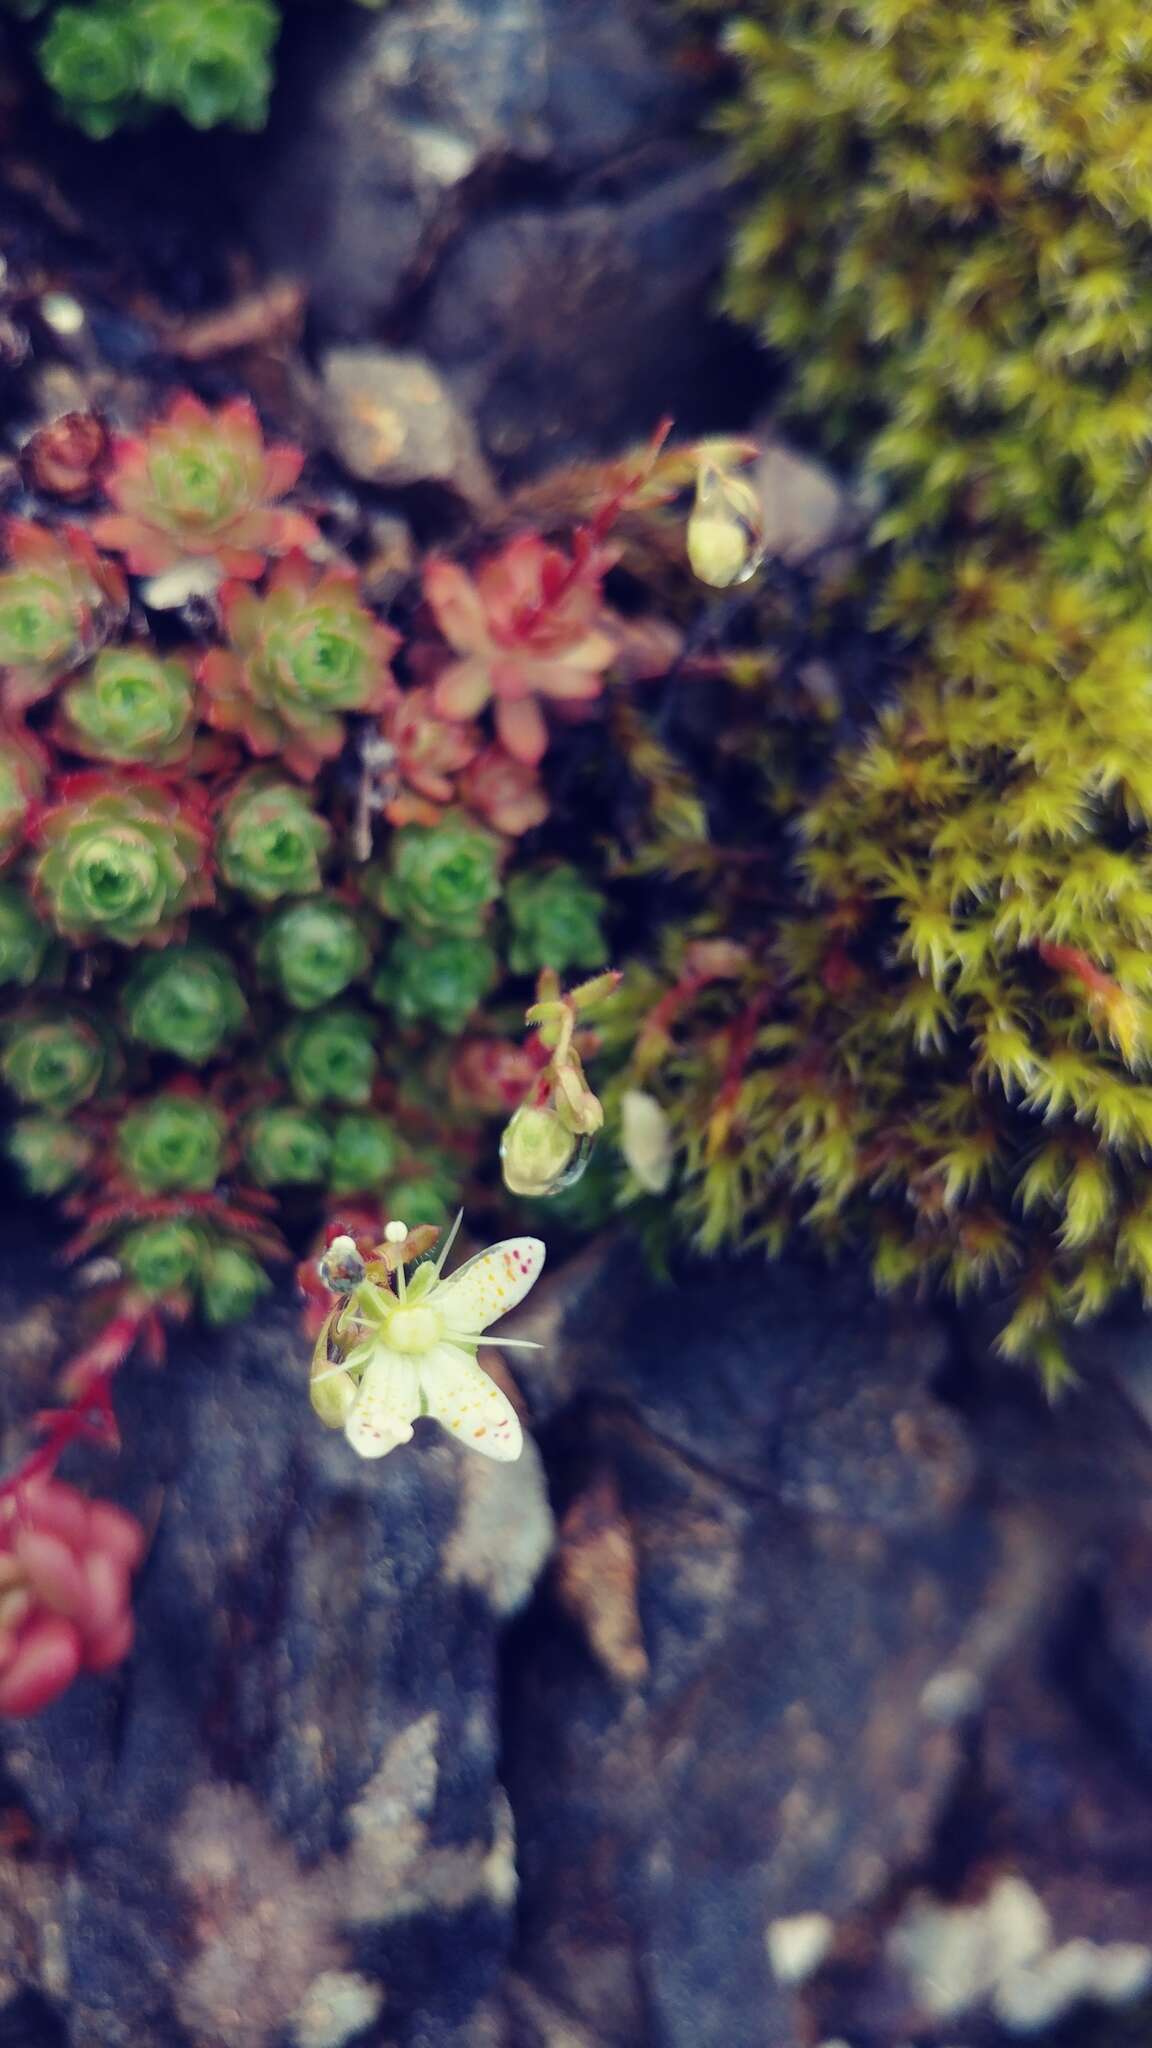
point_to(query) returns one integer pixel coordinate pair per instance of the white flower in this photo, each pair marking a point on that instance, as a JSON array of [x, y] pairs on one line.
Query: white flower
[[412, 1352]]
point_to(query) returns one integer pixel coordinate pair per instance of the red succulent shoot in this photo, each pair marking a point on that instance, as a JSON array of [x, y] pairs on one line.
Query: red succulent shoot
[[429, 749], [506, 793], [202, 485], [527, 625], [65, 456], [66, 1566], [492, 1076]]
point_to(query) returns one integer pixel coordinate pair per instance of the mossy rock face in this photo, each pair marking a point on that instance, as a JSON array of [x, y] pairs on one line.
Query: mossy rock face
[[950, 251]]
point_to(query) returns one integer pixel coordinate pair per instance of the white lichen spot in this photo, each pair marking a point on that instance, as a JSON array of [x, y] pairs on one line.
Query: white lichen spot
[[956, 1956], [1112, 1973], [62, 313], [951, 1695], [504, 1530], [176, 587], [338, 2005], [798, 1945]]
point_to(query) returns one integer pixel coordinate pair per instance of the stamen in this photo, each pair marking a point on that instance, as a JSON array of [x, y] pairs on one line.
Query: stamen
[[448, 1243]]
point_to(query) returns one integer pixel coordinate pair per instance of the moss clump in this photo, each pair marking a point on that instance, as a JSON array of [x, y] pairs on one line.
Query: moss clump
[[952, 1044]]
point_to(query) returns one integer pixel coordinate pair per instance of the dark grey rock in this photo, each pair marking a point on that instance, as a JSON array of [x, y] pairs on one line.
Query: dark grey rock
[[287, 1803], [525, 192], [873, 1743]]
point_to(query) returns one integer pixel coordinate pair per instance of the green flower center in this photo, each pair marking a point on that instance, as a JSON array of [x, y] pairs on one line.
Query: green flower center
[[413, 1330]]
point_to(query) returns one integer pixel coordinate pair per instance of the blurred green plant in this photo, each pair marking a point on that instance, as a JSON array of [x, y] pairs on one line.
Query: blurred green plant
[[112, 63]]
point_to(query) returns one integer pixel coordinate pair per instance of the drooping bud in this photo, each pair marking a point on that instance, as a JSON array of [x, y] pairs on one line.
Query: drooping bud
[[538, 1154], [331, 1390], [725, 535]]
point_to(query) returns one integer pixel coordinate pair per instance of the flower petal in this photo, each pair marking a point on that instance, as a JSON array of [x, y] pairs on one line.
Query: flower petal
[[490, 1285], [385, 1407], [459, 1395]]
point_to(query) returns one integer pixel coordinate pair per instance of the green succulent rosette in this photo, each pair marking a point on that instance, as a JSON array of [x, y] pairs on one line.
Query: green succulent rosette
[[58, 600], [299, 658], [91, 57], [231, 1283], [163, 1257], [23, 772], [365, 1150], [49, 1153], [187, 1002], [440, 878], [23, 940], [129, 706], [53, 1062], [436, 980], [313, 951], [417, 1201], [211, 62], [555, 921], [173, 1145], [123, 862], [331, 1057], [287, 1147], [270, 842]]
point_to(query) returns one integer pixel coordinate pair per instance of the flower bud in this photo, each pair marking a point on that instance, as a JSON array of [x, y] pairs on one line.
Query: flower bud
[[331, 1391], [537, 1152], [725, 528]]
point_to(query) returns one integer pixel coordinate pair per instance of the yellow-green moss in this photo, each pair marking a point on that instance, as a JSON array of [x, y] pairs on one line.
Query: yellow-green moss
[[951, 247]]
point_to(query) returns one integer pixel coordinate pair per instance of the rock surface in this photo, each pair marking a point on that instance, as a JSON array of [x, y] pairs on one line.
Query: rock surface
[[846, 1740], [828, 1721], [523, 191], [283, 1819]]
